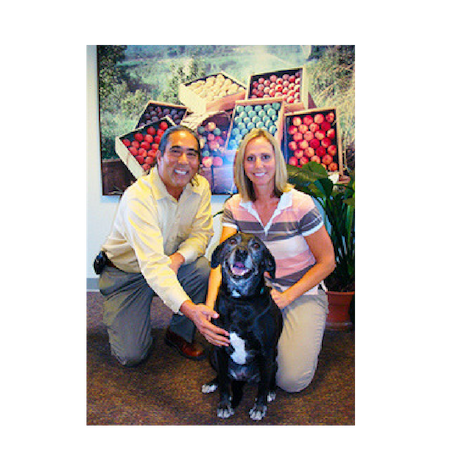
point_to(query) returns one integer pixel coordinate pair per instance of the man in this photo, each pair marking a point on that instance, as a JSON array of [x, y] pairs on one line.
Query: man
[[156, 246]]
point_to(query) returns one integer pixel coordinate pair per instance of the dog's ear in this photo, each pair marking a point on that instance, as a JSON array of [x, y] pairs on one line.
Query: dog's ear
[[216, 257], [270, 264]]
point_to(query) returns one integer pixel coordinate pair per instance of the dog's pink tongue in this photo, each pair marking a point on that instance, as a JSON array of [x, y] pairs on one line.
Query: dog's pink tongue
[[239, 268]]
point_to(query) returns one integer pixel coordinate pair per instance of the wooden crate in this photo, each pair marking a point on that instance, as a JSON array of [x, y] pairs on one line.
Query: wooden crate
[[264, 86], [203, 101], [334, 137], [125, 155], [150, 114], [231, 147]]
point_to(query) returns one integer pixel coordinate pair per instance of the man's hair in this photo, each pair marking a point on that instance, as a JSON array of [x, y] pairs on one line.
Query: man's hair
[[165, 138]]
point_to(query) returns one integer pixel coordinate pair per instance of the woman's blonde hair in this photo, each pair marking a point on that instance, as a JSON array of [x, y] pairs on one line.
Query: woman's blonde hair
[[243, 183]]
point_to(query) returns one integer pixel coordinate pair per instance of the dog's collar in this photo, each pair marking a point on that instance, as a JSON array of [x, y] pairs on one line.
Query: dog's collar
[[230, 294]]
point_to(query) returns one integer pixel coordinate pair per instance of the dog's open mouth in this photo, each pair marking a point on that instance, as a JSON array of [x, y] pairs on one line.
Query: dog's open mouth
[[239, 269]]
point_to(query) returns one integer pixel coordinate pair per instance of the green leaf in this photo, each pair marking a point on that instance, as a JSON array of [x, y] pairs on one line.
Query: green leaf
[[315, 170], [325, 185]]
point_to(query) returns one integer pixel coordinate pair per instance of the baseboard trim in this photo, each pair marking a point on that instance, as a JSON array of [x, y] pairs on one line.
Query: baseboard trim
[[92, 284]]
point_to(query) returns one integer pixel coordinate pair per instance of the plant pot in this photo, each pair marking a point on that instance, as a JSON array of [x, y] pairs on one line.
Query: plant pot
[[338, 317]]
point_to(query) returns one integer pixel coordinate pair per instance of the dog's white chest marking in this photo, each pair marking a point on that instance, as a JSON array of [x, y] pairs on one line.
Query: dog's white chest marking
[[239, 354]]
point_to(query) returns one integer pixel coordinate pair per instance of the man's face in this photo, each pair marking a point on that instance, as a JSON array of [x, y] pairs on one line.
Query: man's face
[[179, 162]]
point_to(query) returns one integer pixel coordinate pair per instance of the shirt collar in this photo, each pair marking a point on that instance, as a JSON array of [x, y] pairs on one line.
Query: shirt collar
[[285, 202]]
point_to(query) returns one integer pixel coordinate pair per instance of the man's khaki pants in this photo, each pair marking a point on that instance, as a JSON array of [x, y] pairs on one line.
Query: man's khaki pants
[[127, 302]]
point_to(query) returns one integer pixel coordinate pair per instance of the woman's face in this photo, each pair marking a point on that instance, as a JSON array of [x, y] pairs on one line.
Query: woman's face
[[259, 163]]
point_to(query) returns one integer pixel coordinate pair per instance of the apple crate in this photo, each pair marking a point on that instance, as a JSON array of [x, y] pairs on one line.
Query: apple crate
[[215, 92], [261, 111], [313, 135], [292, 84], [137, 151], [154, 110]]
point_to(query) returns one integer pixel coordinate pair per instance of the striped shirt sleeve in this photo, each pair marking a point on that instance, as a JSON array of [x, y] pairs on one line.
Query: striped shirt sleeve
[[310, 222], [228, 219]]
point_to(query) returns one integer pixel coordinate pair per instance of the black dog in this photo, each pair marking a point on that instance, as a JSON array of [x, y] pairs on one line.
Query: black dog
[[254, 321]]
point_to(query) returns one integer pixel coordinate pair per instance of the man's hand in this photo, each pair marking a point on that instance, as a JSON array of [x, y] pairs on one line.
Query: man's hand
[[201, 316], [176, 261]]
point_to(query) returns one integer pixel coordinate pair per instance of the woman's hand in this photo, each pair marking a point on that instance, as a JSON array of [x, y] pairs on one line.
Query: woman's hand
[[280, 299]]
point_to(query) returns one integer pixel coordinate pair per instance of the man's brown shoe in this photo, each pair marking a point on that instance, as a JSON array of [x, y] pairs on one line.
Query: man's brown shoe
[[189, 350]]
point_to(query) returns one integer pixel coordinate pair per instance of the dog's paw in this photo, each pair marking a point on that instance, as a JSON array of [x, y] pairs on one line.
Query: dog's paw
[[258, 412], [209, 387], [271, 396], [224, 410]]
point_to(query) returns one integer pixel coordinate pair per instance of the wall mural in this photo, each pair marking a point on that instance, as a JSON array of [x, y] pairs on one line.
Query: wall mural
[[304, 95]]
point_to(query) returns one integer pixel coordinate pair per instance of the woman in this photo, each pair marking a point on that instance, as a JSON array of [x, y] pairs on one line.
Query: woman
[[292, 228]]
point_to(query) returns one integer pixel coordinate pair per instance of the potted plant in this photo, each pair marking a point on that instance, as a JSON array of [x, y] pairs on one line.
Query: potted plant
[[337, 199]]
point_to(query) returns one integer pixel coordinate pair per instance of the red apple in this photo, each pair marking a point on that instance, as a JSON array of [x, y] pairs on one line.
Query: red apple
[[309, 152], [325, 126], [298, 153], [157, 139], [273, 78], [333, 167], [140, 159], [146, 167], [332, 150], [308, 135], [207, 161], [316, 159], [327, 159], [292, 129], [139, 137], [303, 128], [149, 160], [133, 150], [314, 143], [298, 137], [293, 161], [331, 134], [292, 146], [160, 132], [163, 125], [135, 143], [148, 138], [314, 127], [307, 120], [303, 161], [145, 145], [292, 78], [126, 142], [151, 131], [319, 118], [303, 145], [330, 117], [296, 121], [320, 134], [326, 142], [320, 151]]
